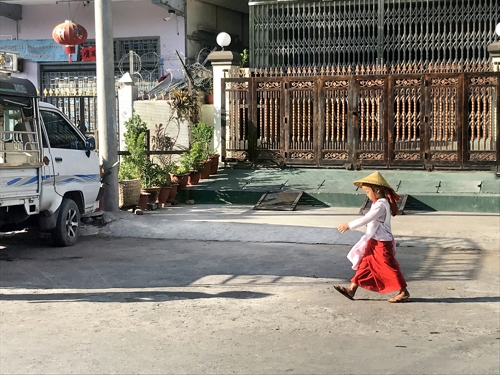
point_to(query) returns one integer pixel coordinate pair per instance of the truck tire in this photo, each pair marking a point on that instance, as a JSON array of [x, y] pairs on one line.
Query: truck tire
[[67, 224]]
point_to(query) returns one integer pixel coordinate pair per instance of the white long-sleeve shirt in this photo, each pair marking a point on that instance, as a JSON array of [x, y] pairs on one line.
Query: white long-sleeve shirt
[[377, 221]]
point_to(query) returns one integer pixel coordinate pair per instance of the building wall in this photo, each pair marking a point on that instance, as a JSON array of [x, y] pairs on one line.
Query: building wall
[[204, 21], [130, 19], [154, 112]]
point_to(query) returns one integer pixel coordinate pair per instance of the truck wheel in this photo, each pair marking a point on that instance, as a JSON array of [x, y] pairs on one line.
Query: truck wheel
[[67, 224]]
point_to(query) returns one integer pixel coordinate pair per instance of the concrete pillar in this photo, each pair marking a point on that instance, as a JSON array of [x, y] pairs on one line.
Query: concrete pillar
[[494, 50], [221, 61], [106, 101], [127, 95]]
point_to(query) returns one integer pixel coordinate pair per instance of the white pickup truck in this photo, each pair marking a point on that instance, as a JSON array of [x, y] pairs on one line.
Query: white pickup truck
[[49, 171]]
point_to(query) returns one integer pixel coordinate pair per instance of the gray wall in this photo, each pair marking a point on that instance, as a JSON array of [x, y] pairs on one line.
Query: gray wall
[[205, 20]]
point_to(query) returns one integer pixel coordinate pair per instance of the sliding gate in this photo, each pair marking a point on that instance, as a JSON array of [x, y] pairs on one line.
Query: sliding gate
[[442, 120]]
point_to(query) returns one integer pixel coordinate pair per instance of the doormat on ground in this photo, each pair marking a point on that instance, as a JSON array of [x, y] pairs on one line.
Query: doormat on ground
[[280, 200], [368, 203]]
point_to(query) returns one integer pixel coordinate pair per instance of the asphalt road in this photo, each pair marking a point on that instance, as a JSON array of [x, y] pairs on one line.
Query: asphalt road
[[149, 306]]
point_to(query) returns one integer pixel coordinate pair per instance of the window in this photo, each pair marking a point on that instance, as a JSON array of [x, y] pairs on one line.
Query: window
[[13, 116], [60, 132]]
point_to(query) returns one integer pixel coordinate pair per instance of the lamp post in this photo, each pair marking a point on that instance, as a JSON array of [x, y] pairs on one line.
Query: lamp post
[[221, 61], [223, 40]]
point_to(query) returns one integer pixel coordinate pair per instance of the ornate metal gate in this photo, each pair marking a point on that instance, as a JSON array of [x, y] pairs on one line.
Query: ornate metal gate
[[415, 120], [80, 107]]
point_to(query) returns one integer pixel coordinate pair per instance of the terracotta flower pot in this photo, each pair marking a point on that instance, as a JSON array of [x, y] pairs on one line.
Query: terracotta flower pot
[[172, 193], [143, 201], [153, 194], [180, 179], [207, 168], [215, 164], [163, 195], [194, 178]]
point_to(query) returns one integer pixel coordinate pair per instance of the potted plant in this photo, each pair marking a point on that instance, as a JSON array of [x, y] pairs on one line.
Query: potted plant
[[191, 161], [165, 184], [208, 89], [185, 105], [129, 173], [179, 175], [151, 180], [203, 134], [163, 142], [244, 70]]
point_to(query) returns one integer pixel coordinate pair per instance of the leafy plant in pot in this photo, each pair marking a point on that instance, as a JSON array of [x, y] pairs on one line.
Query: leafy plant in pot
[[185, 105], [151, 180], [203, 134], [131, 165], [179, 175], [163, 142], [165, 184], [207, 86], [192, 161]]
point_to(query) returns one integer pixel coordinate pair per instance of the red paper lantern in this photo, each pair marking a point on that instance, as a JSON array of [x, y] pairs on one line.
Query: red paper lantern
[[69, 33]]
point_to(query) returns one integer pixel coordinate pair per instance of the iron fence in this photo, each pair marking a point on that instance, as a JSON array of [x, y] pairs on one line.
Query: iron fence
[[308, 33], [79, 106]]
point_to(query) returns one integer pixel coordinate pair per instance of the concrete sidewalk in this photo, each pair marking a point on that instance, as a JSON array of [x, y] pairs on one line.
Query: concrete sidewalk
[[305, 225]]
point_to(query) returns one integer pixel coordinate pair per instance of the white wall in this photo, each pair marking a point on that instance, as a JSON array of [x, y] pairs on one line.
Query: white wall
[[130, 19], [155, 112], [31, 71]]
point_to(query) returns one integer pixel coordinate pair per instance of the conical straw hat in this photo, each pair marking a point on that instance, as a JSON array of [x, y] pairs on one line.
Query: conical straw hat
[[375, 179]]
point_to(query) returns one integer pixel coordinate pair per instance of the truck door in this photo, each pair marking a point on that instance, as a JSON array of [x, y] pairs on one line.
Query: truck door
[[75, 169], [47, 195]]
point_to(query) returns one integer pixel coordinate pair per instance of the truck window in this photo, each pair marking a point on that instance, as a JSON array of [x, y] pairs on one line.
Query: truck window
[[18, 136], [15, 115], [60, 132]]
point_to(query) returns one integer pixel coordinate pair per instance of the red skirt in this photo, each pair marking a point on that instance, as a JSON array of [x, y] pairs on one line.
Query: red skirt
[[378, 270]]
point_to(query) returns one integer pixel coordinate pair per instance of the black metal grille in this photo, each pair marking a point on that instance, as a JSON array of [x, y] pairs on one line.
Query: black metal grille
[[122, 46], [378, 32]]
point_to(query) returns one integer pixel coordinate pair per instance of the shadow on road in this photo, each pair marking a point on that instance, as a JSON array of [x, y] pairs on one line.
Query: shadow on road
[[147, 296], [30, 262]]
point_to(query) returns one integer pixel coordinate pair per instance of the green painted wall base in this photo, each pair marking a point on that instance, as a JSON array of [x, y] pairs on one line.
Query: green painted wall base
[[461, 191], [438, 202]]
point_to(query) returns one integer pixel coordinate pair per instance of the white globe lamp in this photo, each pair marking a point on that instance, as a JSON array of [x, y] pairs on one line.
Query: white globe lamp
[[223, 40], [497, 29]]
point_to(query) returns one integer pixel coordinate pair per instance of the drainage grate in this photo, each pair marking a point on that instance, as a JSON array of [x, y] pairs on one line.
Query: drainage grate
[[280, 200], [368, 203]]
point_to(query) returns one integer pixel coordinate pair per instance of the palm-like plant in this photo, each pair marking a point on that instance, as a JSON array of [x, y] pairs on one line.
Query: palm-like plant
[[135, 143]]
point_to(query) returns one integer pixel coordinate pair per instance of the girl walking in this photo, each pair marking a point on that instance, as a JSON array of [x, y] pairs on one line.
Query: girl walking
[[373, 256]]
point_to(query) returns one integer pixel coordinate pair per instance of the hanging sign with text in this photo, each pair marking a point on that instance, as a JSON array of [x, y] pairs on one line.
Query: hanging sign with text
[[88, 53], [44, 50]]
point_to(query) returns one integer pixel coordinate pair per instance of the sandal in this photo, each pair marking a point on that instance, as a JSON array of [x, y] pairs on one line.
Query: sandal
[[343, 291], [397, 299]]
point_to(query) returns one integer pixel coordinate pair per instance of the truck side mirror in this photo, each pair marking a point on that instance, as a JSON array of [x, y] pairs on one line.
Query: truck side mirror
[[89, 145]]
